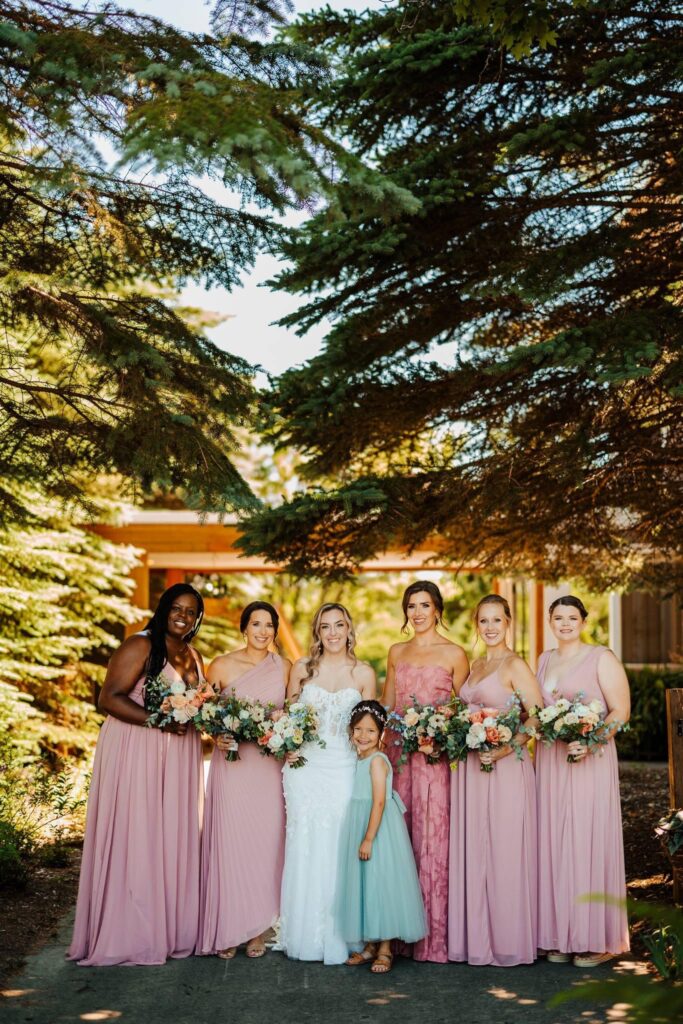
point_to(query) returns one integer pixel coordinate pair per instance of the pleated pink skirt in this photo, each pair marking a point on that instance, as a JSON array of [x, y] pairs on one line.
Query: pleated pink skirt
[[492, 914], [138, 895], [581, 851], [242, 849]]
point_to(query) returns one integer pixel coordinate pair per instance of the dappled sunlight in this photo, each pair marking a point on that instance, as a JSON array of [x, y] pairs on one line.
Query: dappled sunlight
[[101, 1015], [502, 993], [14, 993], [620, 1011], [632, 967], [384, 998]]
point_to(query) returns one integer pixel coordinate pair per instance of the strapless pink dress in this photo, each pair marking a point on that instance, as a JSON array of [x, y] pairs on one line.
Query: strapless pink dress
[[581, 845], [138, 894], [492, 917], [425, 790], [244, 830]]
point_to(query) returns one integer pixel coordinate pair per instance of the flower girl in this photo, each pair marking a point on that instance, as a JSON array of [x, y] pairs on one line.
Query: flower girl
[[378, 892]]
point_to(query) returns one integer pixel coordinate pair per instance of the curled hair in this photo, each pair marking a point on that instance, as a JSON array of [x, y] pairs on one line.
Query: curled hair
[[259, 606], [369, 707], [158, 625], [418, 587], [316, 649], [571, 602], [493, 599]]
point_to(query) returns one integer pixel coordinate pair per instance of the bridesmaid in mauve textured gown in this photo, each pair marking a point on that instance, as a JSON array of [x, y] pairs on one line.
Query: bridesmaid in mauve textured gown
[[244, 824], [492, 917], [138, 895], [581, 846], [426, 668]]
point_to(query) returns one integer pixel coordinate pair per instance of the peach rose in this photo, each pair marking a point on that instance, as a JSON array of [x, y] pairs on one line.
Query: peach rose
[[492, 735], [178, 700], [165, 705], [427, 748], [477, 717]]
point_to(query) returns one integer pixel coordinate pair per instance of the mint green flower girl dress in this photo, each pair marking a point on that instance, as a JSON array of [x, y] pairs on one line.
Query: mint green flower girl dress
[[378, 898]]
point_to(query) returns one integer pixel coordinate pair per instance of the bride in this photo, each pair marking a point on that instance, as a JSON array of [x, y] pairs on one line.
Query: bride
[[332, 681]]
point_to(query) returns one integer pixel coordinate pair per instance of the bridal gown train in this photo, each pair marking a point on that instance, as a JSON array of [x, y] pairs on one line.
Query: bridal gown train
[[317, 796]]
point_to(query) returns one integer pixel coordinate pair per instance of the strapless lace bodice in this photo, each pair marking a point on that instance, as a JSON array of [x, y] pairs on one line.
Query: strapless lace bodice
[[333, 710]]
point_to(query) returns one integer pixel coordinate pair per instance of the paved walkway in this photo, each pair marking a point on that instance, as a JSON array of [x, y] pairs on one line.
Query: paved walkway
[[205, 990]]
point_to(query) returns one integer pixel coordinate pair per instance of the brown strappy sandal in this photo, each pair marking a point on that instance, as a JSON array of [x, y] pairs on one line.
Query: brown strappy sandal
[[382, 963]]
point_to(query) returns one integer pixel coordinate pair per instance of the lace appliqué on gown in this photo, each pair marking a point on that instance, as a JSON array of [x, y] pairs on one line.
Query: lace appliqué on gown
[[317, 796]]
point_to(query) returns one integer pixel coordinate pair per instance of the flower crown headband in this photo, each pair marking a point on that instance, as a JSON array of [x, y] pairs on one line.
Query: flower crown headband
[[370, 709]]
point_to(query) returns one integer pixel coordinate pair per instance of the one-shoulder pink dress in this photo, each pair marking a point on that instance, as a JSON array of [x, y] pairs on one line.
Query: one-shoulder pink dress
[[581, 845], [425, 790], [492, 915], [244, 830], [138, 894]]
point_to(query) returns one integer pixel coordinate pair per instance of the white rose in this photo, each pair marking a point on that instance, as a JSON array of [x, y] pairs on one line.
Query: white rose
[[298, 707], [275, 742], [183, 715], [581, 710], [289, 731], [559, 724], [490, 723], [231, 723], [504, 734], [571, 718], [476, 735], [597, 707], [178, 688], [245, 714]]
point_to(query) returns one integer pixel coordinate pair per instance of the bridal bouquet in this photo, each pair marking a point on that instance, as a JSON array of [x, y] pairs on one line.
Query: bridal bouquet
[[573, 720], [428, 729], [492, 728], [244, 720], [286, 732], [168, 700]]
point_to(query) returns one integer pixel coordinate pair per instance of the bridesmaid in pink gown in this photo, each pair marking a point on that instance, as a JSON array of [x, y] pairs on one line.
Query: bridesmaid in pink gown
[[493, 878], [426, 667], [138, 895], [244, 824], [581, 848]]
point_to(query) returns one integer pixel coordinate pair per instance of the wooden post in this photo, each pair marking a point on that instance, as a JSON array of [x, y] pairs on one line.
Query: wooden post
[[674, 718]]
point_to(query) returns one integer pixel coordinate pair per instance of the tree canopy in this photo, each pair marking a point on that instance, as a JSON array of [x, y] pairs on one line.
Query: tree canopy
[[109, 123], [504, 364]]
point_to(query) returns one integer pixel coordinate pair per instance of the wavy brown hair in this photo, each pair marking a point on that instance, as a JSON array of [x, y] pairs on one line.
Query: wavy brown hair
[[316, 649]]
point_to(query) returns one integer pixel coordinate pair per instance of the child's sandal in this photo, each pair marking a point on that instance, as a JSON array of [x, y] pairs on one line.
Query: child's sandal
[[365, 956], [383, 963]]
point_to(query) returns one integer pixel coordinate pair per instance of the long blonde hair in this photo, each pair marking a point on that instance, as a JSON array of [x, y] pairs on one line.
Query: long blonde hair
[[316, 649]]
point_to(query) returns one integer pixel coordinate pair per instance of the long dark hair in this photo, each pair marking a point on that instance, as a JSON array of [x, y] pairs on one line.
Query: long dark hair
[[571, 602], [259, 606], [158, 624]]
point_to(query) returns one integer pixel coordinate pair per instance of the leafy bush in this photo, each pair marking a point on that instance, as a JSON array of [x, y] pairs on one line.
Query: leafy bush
[[646, 739], [38, 805]]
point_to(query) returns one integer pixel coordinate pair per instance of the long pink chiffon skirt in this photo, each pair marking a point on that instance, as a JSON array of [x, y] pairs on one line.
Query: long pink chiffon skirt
[[581, 851], [242, 850], [138, 896], [492, 914]]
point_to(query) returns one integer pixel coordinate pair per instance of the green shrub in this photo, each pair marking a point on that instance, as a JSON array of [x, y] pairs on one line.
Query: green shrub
[[13, 869], [646, 738]]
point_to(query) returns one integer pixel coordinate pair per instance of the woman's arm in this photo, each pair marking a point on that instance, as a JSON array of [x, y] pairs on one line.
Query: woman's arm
[[296, 679], [614, 685], [368, 690], [461, 668], [126, 666], [378, 776], [388, 698]]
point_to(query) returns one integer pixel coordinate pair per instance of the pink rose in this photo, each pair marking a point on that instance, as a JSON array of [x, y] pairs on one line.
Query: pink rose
[[492, 735]]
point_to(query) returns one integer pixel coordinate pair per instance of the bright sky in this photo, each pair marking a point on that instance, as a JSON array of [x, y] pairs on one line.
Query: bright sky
[[250, 332]]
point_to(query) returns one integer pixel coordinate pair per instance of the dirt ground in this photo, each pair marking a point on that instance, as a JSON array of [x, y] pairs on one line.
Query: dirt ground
[[29, 919]]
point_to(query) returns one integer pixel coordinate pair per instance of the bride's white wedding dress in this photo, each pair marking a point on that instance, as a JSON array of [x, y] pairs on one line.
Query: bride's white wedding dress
[[317, 795]]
